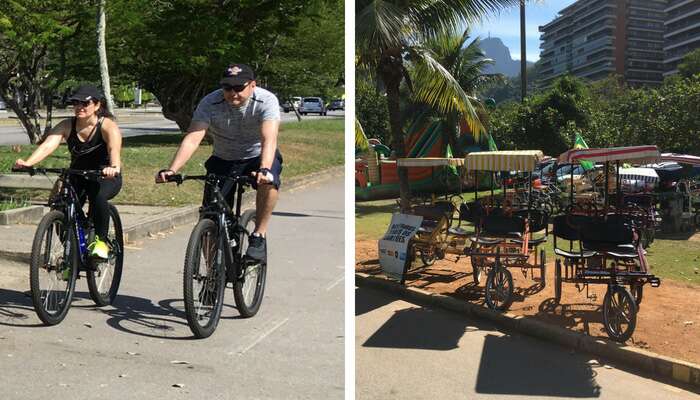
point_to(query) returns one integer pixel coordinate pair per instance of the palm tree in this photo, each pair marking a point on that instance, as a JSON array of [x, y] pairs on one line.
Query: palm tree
[[390, 35], [465, 63]]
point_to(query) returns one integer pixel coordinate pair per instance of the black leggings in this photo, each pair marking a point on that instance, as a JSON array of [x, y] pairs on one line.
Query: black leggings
[[98, 193]]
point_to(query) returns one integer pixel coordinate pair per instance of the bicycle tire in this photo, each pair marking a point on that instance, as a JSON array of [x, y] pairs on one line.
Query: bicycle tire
[[214, 279], [499, 281], [241, 287], [39, 260], [96, 278], [618, 300]]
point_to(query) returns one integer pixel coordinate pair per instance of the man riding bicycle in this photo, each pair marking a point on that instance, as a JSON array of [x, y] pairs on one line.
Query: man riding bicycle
[[243, 121]]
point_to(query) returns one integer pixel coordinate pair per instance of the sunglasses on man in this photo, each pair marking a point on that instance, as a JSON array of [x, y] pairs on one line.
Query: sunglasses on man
[[235, 88], [76, 103]]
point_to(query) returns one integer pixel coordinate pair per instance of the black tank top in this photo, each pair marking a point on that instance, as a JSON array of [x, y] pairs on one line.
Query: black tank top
[[91, 154]]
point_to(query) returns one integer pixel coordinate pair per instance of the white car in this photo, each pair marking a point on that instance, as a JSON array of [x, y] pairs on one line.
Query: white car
[[295, 102], [312, 105]]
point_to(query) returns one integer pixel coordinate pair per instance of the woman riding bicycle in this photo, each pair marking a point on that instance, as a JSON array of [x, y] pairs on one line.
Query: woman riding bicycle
[[94, 141]]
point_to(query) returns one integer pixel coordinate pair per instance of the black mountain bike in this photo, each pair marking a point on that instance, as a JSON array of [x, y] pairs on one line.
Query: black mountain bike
[[216, 255], [59, 250]]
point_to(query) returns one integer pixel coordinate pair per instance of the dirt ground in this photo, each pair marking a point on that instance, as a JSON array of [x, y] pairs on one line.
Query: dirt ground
[[668, 321]]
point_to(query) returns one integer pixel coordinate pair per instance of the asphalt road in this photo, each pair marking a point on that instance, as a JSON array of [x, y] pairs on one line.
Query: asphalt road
[[152, 124], [140, 347], [405, 351]]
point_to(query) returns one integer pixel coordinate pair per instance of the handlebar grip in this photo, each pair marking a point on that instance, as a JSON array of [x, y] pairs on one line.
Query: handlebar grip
[[177, 178], [23, 169]]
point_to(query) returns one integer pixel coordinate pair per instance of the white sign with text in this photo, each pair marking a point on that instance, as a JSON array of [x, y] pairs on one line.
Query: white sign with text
[[394, 245]]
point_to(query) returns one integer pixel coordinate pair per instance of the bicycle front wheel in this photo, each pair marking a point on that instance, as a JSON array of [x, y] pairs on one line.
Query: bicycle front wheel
[[204, 279], [53, 268], [103, 280], [249, 288]]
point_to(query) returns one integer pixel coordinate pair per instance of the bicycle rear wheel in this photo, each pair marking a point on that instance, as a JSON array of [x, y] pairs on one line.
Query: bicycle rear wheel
[[248, 290], [53, 268], [204, 279], [104, 280]]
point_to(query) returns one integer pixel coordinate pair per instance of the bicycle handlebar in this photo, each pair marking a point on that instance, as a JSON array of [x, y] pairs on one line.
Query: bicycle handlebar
[[88, 173], [179, 178]]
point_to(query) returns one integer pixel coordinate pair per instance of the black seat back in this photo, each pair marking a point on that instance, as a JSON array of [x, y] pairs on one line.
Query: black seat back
[[606, 233], [502, 225], [471, 212], [562, 229]]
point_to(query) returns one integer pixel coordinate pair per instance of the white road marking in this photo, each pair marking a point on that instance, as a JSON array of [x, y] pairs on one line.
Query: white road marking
[[337, 281], [263, 336]]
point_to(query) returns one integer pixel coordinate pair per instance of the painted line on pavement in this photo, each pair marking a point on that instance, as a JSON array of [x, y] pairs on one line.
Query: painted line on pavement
[[334, 283], [263, 336]]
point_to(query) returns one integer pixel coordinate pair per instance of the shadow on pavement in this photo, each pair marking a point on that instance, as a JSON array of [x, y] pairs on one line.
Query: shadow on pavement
[[509, 366], [367, 301], [139, 316], [16, 309], [291, 214]]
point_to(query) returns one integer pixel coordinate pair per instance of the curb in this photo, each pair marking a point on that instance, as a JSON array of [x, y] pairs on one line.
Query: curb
[[23, 215], [658, 365]]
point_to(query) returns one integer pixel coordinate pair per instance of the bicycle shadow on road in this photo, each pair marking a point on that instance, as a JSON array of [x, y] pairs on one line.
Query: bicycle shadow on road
[[16, 309], [143, 317]]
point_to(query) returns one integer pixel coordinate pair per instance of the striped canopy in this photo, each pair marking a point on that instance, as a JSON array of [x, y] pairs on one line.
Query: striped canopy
[[516, 160], [429, 162], [640, 154], [646, 175], [681, 158]]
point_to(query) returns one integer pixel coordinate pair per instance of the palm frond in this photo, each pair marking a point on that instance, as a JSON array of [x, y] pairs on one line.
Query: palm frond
[[437, 87]]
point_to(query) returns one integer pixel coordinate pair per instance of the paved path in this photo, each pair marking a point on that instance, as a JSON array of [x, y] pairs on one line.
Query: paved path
[[405, 351], [292, 349]]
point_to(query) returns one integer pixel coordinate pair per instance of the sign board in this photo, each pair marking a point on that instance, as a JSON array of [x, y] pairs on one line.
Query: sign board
[[394, 245]]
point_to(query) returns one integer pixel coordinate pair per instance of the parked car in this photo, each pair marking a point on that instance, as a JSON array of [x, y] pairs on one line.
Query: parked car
[[312, 105], [337, 104], [2, 105], [295, 101]]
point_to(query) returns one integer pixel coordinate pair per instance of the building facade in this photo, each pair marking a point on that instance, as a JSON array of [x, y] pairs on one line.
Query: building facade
[[593, 39], [682, 32]]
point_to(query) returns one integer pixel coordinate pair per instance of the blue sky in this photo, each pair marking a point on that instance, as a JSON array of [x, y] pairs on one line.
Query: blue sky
[[506, 25]]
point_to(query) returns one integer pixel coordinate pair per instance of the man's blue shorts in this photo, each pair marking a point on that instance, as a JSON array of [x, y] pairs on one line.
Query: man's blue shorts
[[220, 166]]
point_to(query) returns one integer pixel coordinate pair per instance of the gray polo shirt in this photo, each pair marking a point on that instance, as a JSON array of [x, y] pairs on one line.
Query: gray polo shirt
[[236, 131]]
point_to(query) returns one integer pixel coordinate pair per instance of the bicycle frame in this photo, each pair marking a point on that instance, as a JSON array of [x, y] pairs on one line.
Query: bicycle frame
[[218, 210]]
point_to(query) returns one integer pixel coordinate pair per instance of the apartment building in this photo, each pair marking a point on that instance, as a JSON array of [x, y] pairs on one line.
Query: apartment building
[[682, 32], [593, 39]]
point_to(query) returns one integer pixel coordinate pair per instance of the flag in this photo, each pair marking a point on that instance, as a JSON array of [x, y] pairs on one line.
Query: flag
[[492, 144], [581, 144]]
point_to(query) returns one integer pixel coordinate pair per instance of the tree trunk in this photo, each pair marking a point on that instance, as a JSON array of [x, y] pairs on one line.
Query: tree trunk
[[102, 52], [390, 71]]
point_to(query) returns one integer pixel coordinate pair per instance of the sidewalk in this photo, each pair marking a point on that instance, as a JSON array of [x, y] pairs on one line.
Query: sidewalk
[[139, 222]]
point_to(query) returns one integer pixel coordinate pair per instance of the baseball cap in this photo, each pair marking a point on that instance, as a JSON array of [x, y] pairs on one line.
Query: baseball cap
[[86, 93], [237, 74]]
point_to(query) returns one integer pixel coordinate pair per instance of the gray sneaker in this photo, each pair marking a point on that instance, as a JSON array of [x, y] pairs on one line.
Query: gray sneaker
[[257, 248]]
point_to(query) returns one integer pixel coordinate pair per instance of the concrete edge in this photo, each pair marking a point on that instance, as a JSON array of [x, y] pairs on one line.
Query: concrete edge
[[22, 215], [655, 364]]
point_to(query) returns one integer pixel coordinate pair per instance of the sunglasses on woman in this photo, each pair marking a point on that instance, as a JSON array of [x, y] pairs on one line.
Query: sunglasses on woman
[[235, 88], [76, 103]]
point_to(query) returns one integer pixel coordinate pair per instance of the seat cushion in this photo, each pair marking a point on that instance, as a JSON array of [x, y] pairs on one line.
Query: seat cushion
[[574, 254], [457, 231]]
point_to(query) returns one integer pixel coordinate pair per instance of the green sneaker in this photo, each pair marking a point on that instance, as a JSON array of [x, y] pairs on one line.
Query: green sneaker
[[98, 248]]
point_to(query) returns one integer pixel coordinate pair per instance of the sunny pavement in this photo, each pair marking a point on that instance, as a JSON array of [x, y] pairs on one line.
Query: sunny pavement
[[141, 347]]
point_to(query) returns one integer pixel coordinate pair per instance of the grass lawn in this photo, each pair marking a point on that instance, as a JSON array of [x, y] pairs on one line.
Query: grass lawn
[[306, 146], [678, 260]]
